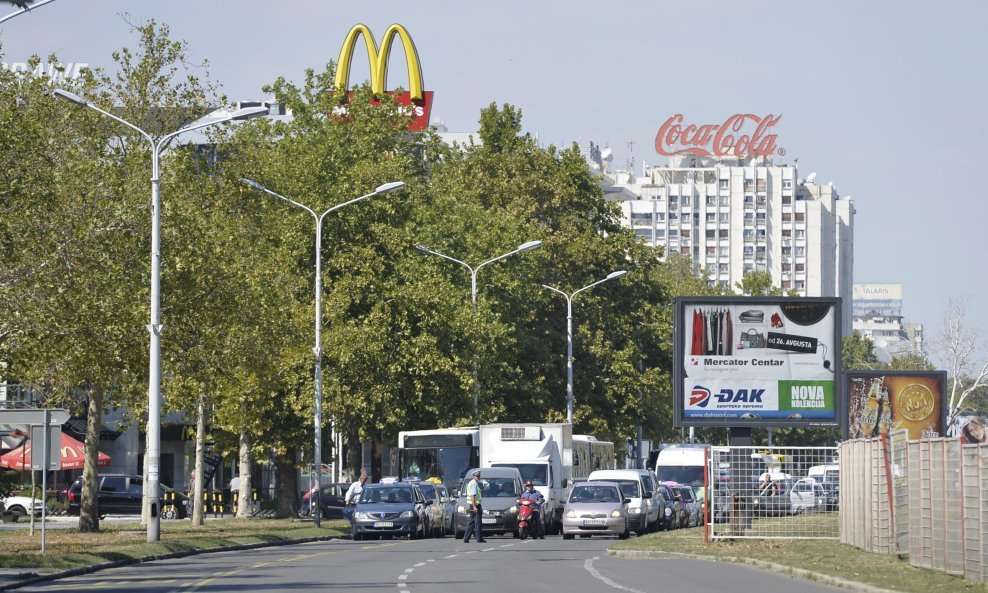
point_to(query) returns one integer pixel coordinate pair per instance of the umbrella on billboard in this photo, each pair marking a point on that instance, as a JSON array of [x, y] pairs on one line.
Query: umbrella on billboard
[[73, 455]]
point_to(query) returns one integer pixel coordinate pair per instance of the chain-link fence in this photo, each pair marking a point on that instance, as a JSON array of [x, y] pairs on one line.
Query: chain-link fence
[[777, 492]]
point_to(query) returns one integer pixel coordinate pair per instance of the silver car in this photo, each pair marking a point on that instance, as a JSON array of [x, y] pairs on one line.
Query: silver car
[[596, 508]]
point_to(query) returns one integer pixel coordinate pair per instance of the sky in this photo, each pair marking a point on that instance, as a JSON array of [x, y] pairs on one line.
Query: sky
[[886, 99]]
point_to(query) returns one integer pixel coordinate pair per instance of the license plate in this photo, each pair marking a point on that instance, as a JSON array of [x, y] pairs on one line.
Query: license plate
[[594, 522], [384, 524], [487, 520]]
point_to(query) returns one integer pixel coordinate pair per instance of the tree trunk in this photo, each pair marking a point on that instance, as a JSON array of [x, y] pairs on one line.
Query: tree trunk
[[244, 502], [376, 466], [89, 509], [198, 506], [286, 491], [353, 456]]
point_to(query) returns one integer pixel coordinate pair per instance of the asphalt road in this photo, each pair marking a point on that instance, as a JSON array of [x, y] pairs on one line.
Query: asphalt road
[[447, 565]]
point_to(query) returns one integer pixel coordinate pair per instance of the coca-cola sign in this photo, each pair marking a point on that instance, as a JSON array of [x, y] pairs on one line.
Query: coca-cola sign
[[726, 139]]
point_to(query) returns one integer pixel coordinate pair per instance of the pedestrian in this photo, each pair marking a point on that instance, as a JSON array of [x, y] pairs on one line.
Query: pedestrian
[[353, 492], [474, 496]]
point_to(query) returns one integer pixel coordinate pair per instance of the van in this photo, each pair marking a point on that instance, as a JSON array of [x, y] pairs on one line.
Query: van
[[639, 486], [828, 472]]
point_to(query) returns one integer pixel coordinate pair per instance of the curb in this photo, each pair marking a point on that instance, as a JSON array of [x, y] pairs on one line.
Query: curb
[[809, 575], [73, 572]]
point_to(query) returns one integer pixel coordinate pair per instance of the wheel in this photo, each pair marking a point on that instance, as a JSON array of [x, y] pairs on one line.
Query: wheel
[[568, 536], [523, 533], [459, 534], [357, 537], [626, 533], [18, 512]]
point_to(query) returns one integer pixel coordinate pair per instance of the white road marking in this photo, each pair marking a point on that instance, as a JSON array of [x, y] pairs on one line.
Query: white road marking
[[421, 564], [588, 564], [411, 569], [402, 577]]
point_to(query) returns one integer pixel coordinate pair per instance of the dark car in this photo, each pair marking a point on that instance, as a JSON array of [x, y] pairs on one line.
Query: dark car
[[123, 494], [391, 509], [831, 496], [669, 512], [330, 500]]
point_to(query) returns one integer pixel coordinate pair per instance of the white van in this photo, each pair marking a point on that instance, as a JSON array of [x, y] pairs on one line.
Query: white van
[[828, 472], [639, 486]]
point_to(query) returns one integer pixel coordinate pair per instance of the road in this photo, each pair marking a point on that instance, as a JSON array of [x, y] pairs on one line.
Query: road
[[447, 565]]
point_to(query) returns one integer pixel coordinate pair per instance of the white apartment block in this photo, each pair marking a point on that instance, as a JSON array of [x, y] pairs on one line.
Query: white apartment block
[[737, 215]]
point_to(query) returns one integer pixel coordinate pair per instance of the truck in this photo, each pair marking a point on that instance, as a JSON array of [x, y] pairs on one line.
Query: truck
[[543, 453]]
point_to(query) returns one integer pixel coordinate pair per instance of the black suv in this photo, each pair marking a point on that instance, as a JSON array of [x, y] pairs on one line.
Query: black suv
[[122, 494]]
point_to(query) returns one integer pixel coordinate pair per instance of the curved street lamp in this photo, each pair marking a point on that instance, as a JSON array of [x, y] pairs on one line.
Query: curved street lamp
[[25, 9], [317, 348], [151, 487], [569, 335], [473, 296]]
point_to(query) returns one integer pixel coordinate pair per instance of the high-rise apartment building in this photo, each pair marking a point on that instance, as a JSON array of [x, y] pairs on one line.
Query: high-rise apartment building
[[734, 215]]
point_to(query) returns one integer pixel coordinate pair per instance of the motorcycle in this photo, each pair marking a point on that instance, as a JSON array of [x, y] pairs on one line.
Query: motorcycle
[[530, 519]]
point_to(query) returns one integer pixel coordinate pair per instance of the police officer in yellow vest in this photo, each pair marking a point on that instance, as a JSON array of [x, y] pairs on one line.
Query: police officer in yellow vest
[[473, 497]]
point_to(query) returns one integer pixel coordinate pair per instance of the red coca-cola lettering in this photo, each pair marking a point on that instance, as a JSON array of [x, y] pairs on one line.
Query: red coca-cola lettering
[[674, 138]]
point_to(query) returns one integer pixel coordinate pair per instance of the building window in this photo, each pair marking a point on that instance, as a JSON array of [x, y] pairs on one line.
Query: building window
[[800, 267], [748, 268], [711, 217], [749, 219], [761, 234], [786, 233], [800, 251], [673, 234], [760, 252], [711, 200], [749, 201], [724, 217], [711, 250], [800, 217], [749, 235], [660, 233], [749, 184], [787, 184], [787, 251], [723, 250], [760, 217], [685, 233], [723, 233], [686, 200], [749, 251], [711, 234], [800, 233], [761, 185], [641, 218], [644, 234], [725, 184], [673, 216], [725, 200], [787, 200], [787, 217]]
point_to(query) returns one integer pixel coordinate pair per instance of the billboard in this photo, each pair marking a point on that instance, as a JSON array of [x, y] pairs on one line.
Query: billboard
[[756, 361], [416, 100], [880, 401], [885, 299]]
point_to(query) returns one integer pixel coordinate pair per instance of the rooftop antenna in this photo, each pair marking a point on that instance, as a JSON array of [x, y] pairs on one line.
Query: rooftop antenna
[[631, 156], [811, 177]]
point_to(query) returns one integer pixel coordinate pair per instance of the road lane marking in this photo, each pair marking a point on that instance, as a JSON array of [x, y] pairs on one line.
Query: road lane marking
[[402, 577], [421, 564], [412, 569], [588, 565], [450, 556]]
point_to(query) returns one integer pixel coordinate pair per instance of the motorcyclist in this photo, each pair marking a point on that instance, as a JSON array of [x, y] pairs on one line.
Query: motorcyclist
[[536, 497]]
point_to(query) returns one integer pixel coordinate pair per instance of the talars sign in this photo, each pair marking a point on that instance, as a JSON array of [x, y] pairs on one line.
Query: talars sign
[[725, 139], [415, 101]]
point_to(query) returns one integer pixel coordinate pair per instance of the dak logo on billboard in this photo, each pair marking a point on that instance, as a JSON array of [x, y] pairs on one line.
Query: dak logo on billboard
[[700, 396]]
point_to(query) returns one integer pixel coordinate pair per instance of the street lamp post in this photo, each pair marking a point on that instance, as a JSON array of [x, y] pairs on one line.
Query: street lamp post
[[473, 298], [317, 348], [24, 9], [151, 487], [569, 335]]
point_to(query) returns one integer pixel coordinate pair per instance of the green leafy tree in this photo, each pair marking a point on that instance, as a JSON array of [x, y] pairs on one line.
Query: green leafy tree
[[858, 353]]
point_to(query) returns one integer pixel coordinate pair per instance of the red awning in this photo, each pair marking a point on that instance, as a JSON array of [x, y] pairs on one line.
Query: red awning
[[73, 455]]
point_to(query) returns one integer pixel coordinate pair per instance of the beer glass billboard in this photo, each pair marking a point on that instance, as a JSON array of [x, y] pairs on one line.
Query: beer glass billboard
[[756, 361], [883, 401]]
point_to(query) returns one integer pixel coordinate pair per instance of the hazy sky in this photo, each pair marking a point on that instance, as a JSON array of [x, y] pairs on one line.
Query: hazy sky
[[885, 99]]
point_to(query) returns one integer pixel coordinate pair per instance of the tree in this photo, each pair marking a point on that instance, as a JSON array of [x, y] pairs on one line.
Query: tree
[[858, 353], [963, 352]]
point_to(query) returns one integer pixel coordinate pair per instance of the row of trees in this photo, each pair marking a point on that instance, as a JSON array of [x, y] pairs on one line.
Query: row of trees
[[400, 335]]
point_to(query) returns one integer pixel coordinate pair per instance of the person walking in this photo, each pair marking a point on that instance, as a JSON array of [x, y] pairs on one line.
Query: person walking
[[474, 496]]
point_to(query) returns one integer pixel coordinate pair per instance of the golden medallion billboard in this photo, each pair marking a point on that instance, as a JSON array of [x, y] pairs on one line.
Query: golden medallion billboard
[[882, 401], [756, 361]]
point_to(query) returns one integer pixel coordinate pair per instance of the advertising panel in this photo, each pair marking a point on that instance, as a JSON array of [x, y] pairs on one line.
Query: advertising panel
[[756, 361], [880, 401]]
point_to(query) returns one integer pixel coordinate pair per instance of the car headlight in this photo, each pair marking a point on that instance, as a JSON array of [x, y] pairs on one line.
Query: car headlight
[[615, 513], [571, 514], [513, 509], [668, 512], [635, 510], [360, 515], [407, 514]]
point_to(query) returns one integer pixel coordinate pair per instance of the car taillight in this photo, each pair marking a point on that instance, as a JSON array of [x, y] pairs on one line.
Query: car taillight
[[71, 496]]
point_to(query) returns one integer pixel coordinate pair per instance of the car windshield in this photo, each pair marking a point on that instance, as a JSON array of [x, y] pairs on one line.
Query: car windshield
[[386, 495], [428, 490], [591, 493], [629, 488]]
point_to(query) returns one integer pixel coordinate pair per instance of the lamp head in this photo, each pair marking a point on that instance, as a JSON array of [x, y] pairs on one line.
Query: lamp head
[[617, 274], [251, 183], [529, 245], [422, 248], [389, 187], [249, 113], [70, 97]]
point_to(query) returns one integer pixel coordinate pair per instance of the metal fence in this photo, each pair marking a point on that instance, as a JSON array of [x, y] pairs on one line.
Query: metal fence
[[772, 493], [927, 498]]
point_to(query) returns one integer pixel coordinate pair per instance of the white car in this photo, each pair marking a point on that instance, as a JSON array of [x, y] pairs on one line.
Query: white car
[[22, 505], [807, 495]]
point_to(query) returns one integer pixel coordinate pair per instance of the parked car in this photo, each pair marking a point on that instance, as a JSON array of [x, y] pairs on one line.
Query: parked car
[[639, 486], [774, 498], [437, 514], [123, 494], [22, 506], [330, 500], [831, 500], [691, 504], [596, 508], [449, 506], [808, 495], [500, 489], [670, 510], [392, 509]]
